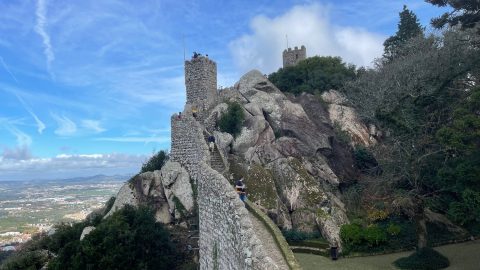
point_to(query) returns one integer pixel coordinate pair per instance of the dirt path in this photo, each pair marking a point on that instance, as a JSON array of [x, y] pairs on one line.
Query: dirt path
[[462, 256], [268, 242]]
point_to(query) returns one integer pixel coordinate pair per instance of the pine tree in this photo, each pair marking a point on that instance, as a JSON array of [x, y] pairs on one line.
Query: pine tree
[[408, 28], [466, 13]]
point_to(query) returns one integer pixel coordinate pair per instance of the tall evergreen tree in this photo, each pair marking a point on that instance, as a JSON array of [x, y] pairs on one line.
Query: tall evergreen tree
[[466, 13], [408, 28]]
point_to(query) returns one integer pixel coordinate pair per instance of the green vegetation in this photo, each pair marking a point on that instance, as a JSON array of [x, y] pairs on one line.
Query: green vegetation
[[354, 235], [261, 187], [431, 154], [27, 260], [232, 120], [423, 259], [293, 236], [128, 239], [408, 28], [364, 160], [144, 244], [156, 162], [313, 74], [464, 13]]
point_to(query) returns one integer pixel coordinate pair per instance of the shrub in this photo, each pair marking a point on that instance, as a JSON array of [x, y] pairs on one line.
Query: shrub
[[393, 229], [299, 236], [423, 259], [128, 239], [156, 162], [364, 160], [312, 74], [374, 235], [232, 120], [377, 215], [351, 235], [25, 260]]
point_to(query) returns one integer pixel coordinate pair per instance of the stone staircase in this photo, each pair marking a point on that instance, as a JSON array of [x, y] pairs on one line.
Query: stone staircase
[[216, 160]]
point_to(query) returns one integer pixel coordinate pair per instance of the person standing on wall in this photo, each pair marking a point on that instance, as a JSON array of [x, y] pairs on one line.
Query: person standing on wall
[[211, 143], [240, 188]]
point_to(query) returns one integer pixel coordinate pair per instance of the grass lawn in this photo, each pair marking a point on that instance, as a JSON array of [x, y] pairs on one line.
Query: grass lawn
[[463, 256]]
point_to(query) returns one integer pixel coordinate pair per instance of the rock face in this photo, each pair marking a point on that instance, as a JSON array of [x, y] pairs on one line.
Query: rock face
[[290, 157], [347, 119], [289, 153], [86, 231], [168, 190]]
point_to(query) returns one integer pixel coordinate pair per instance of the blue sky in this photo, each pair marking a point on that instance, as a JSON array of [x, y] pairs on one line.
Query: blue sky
[[88, 87]]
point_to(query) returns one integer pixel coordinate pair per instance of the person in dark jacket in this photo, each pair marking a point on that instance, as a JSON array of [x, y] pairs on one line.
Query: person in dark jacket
[[240, 188]]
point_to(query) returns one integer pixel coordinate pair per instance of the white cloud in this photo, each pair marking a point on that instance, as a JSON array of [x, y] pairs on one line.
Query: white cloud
[[93, 125], [22, 150], [40, 28], [40, 124], [68, 165], [18, 153], [307, 25], [8, 69], [66, 127], [23, 139]]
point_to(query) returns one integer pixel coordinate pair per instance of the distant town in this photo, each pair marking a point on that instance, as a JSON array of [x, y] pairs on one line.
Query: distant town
[[30, 207]]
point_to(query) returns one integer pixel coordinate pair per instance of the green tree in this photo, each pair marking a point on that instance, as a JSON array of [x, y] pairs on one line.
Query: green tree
[[232, 120], [156, 162], [465, 13], [128, 239], [412, 98], [313, 74], [408, 28]]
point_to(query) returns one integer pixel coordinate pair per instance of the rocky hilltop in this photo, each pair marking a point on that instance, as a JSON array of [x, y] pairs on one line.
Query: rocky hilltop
[[289, 151]]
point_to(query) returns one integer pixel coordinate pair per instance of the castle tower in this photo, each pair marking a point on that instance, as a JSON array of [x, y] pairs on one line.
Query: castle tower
[[201, 82], [292, 57]]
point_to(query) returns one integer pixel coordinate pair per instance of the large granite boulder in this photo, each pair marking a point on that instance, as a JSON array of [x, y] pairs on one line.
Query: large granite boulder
[[347, 119], [168, 191], [178, 190]]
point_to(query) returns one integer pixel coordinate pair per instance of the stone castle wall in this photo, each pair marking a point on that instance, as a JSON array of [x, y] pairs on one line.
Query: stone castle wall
[[292, 57], [227, 240], [201, 82]]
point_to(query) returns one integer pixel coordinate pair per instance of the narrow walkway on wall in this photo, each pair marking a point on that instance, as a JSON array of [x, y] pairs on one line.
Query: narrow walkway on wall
[[268, 242], [216, 161]]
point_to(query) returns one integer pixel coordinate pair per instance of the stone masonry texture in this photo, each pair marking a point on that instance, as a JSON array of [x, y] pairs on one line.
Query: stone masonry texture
[[292, 57], [201, 82], [227, 239]]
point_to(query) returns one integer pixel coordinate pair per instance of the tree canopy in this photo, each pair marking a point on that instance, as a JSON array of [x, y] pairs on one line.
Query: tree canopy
[[156, 162], [318, 73], [232, 120], [465, 13], [128, 239], [427, 101], [408, 28]]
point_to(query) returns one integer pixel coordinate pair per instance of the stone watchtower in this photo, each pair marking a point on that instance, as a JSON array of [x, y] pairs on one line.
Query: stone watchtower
[[201, 82], [292, 57]]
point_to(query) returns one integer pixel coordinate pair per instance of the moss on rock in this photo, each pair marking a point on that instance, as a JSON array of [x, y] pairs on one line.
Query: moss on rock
[[261, 187]]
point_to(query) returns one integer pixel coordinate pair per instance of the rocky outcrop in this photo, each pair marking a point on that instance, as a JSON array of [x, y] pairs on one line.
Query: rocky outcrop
[[347, 119], [290, 157], [169, 191], [87, 230]]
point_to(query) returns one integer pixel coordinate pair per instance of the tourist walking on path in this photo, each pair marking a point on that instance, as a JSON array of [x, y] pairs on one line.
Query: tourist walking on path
[[240, 188], [211, 143]]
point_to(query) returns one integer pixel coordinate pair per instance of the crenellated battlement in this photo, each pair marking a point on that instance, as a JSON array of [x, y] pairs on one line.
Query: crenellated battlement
[[292, 57]]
